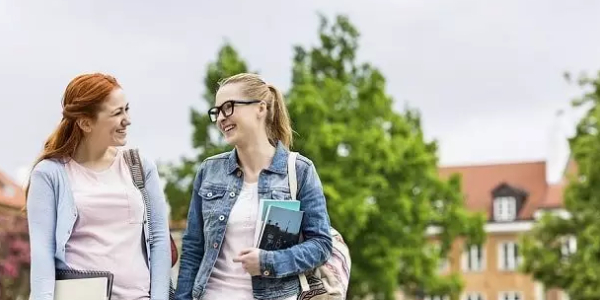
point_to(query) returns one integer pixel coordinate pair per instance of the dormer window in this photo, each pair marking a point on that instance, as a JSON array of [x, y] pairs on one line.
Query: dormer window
[[507, 202], [505, 209]]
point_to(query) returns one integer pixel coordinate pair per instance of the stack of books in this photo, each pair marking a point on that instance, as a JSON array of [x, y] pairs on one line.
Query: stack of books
[[278, 224]]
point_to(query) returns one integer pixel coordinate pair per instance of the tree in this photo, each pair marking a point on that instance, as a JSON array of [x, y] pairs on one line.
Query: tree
[[379, 175], [547, 249], [205, 139]]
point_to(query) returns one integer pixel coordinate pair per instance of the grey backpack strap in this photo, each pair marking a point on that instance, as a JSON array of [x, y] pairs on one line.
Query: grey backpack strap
[[134, 162], [132, 156]]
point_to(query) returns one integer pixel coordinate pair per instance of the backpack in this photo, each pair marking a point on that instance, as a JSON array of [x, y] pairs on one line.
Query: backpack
[[329, 281], [132, 157]]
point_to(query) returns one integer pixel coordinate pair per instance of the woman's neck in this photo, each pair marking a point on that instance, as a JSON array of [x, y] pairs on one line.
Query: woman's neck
[[255, 157], [93, 157]]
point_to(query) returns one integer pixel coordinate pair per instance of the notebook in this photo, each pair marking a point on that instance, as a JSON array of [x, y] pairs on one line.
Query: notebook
[[281, 228], [88, 285], [262, 212]]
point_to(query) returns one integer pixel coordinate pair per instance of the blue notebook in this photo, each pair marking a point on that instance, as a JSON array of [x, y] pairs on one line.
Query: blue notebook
[[263, 208], [281, 228]]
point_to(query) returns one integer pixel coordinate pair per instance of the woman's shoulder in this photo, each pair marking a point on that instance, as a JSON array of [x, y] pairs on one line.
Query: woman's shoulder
[[303, 161], [220, 156], [49, 166], [148, 162]]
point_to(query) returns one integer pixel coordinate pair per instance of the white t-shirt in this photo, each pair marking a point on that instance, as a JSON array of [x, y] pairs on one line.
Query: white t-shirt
[[228, 279]]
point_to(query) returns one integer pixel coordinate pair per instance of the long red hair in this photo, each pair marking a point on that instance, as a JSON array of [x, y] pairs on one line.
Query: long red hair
[[83, 98]]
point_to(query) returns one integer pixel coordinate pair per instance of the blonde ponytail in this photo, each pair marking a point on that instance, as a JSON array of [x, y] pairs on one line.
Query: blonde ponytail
[[279, 129]]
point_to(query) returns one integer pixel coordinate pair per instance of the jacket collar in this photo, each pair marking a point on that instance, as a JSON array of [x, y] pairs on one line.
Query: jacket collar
[[278, 164]]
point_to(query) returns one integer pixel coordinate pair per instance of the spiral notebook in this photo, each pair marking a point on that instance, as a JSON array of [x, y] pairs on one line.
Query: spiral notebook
[[78, 285]]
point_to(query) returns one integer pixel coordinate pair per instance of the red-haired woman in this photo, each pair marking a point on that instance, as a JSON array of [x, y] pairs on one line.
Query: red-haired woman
[[84, 211]]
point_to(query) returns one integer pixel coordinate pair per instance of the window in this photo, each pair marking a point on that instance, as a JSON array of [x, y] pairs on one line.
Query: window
[[472, 258], [473, 296], [569, 246], [443, 262], [508, 256], [510, 296], [505, 209], [444, 265]]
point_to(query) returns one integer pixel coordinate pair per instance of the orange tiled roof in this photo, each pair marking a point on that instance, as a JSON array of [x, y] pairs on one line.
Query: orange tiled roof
[[478, 181]]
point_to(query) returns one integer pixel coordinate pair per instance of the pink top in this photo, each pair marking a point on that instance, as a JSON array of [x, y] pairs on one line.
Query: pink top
[[107, 235]]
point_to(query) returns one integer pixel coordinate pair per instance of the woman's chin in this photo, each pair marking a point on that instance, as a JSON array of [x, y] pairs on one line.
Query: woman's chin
[[119, 142], [231, 139]]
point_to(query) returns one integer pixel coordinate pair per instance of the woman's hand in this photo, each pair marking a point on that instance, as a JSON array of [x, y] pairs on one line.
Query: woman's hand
[[250, 260]]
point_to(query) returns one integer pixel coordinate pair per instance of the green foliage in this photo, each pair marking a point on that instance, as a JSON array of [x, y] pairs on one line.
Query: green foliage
[[379, 175], [205, 139], [543, 248]]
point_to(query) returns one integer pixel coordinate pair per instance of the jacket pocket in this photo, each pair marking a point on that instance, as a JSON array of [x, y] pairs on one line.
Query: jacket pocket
[[211, 194]]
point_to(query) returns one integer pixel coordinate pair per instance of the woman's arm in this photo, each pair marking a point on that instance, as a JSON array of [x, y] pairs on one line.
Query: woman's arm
[[160, 250], [192, 249], [41, 216], [317, 245]]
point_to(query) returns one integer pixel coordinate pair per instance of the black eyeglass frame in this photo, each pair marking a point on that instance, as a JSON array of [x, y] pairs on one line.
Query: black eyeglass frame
[[213, 112]]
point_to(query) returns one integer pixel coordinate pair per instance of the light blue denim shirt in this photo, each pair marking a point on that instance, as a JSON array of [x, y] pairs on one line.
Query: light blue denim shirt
[[52, 214], [216, 187]]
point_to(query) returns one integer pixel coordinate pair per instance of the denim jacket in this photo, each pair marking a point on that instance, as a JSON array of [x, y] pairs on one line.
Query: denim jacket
[[216, 187], [52, 213]]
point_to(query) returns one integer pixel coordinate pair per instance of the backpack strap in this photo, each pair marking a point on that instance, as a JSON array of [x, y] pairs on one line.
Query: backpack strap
[[132, 156], [134, 162], [292, 174], [293, 183]]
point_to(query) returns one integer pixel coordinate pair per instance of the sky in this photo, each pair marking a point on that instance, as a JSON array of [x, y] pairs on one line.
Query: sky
[[487, 76]]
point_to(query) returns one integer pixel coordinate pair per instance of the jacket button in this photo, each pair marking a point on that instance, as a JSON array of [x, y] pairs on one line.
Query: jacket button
[[215, 245], [232, 194], [238, 173], [221, 218], [266, 273], [209, 195]]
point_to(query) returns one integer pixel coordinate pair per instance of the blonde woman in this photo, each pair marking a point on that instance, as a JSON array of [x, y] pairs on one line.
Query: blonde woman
[[219, 260]]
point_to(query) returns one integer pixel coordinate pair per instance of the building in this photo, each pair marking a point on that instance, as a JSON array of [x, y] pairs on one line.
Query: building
[[512, 196], [12, 196]]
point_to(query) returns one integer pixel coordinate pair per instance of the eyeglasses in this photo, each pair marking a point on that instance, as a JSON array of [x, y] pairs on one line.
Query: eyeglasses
[[227, 108]]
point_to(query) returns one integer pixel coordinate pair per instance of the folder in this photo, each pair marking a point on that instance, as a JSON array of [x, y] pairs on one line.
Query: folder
[[78, 285]]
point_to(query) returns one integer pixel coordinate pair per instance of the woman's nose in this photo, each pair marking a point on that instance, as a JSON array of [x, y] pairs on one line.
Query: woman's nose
[[126, 121]]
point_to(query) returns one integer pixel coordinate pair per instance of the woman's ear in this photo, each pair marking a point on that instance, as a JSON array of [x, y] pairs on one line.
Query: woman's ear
[[84, 124], [262, 109]]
